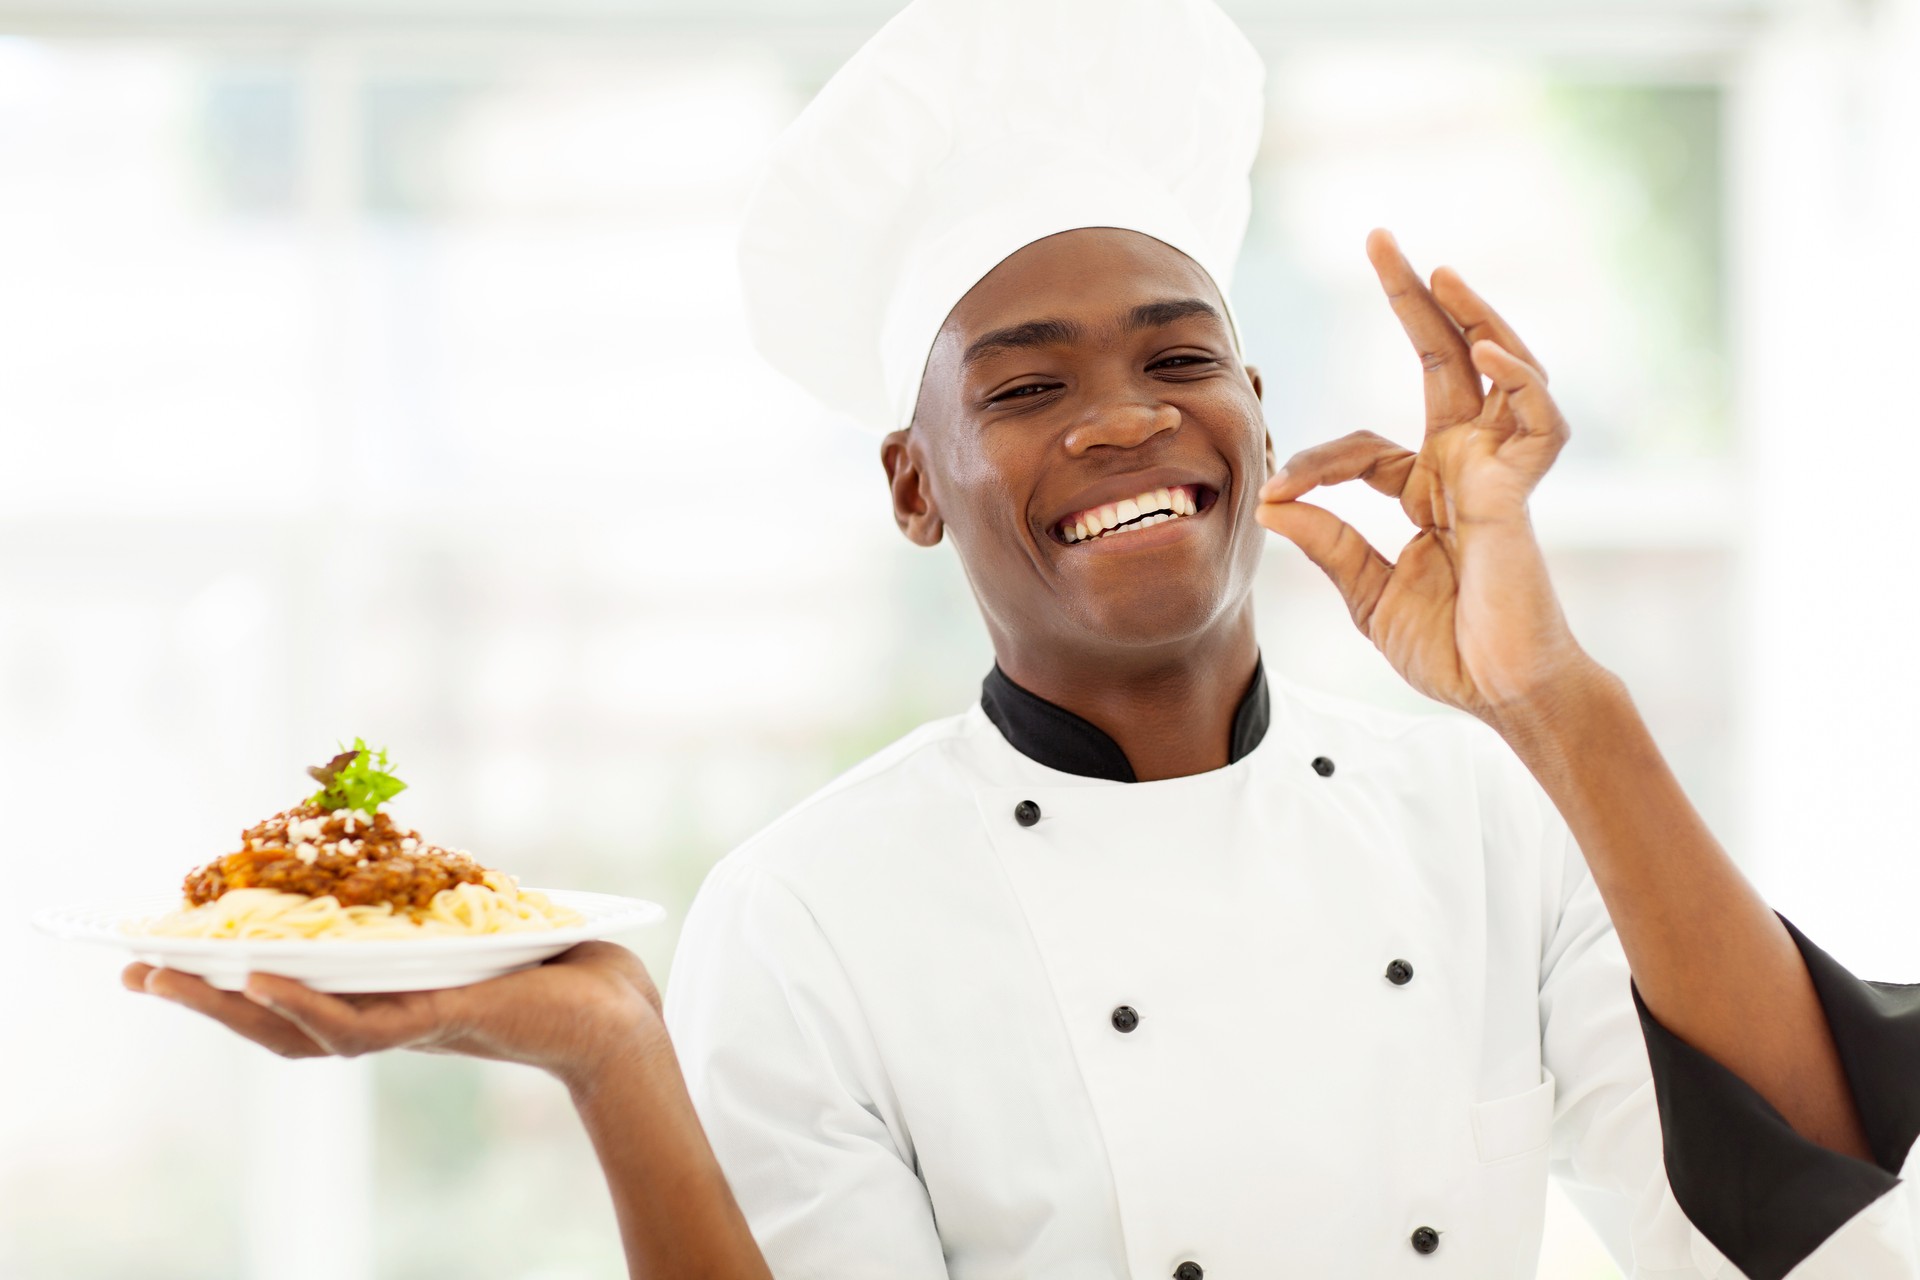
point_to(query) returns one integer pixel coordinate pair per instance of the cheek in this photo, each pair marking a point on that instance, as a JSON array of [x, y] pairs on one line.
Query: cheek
[[1249, 454], [983, 499], [1249, 546]]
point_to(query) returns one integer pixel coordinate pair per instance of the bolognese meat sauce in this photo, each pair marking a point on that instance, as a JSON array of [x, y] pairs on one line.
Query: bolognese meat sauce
[[359, 860]]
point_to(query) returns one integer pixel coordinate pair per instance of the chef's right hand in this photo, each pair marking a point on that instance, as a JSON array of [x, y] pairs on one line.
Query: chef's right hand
[[575, 1016]]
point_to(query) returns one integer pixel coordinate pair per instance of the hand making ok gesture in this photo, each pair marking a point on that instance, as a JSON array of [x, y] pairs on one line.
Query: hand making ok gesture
[[1466, 614]]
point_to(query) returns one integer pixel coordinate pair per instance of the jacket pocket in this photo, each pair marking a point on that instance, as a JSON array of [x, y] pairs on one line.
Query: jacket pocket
[[1518, 1124]]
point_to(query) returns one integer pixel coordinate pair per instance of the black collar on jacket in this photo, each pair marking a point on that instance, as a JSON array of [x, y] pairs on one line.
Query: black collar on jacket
[[1059, 739]]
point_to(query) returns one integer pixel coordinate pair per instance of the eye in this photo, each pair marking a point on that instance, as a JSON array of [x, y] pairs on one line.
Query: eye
[[1020, 393], [1171, 361]]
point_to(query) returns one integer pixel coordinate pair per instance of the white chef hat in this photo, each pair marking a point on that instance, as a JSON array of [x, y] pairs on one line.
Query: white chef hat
[[966, 129]]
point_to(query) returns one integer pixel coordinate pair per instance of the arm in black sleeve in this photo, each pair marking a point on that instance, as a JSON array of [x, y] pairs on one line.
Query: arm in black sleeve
[[1765, 1196]]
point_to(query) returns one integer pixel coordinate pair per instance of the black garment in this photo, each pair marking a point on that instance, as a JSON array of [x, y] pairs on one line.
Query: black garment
[[1763, 1194], [1059, 739]]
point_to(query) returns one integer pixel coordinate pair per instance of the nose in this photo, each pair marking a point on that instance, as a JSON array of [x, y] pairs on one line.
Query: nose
[[1120, 425]]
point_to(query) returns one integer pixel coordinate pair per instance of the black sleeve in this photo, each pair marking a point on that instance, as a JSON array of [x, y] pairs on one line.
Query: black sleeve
[[1765, 1196]]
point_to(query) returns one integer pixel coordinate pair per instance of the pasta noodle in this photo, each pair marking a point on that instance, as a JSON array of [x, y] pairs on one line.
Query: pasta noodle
[[498, 905], [336, 866]]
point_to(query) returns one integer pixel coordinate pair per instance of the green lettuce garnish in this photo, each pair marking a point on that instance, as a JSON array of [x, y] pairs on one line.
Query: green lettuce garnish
[[355, 779]]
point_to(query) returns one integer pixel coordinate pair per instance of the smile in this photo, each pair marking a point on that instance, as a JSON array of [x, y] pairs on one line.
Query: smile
[[1112, 519]]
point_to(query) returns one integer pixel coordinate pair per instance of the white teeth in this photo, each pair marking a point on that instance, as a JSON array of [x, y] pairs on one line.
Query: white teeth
[[1156, 506]]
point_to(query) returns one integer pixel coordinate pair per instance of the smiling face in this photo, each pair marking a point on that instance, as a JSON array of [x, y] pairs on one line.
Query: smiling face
[[1088, 436]]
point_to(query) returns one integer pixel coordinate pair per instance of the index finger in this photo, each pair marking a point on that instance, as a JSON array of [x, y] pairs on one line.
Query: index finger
[[1452, 384], [229, 1008], [353, 1025], [1361, 455]]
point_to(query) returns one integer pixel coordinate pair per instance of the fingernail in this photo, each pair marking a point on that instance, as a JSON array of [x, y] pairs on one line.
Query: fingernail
[[1274, 482], [256, 995]]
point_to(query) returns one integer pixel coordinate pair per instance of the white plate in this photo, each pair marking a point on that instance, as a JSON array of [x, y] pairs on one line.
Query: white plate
[[344, 965]]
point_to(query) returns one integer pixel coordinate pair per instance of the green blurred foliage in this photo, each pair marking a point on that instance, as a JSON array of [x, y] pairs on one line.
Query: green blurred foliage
[[1653, 152]]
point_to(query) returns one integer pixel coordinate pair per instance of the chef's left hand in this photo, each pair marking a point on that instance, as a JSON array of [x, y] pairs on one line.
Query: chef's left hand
[[584, 1013], [1466, 614]]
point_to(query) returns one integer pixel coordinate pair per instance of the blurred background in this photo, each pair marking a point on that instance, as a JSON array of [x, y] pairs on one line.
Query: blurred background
[[375, 367]]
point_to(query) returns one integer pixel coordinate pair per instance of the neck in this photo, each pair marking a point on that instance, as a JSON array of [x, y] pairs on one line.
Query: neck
[[1170, 709]]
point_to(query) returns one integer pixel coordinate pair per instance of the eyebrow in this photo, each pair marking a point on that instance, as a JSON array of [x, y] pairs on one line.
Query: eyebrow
[[1043, 333]]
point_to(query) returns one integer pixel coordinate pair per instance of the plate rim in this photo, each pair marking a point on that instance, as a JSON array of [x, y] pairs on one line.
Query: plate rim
[[622, 913]]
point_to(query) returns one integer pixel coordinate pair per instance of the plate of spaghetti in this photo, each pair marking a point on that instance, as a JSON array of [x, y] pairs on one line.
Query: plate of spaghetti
[[336, 894]]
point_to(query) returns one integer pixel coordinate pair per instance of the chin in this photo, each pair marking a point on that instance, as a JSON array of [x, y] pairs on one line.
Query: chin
[[1152, 613]]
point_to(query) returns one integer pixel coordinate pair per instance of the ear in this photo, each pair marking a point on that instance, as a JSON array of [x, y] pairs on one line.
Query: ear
[[913, 507], [1259, 392]]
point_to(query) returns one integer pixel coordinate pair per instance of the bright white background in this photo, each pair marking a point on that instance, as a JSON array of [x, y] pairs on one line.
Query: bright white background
[[377, 369]]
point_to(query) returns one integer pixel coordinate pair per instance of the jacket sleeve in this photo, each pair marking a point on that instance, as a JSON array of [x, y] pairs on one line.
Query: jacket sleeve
[[791, 1090], [1772, 1202], [1683, 1170], [1605, 1150]]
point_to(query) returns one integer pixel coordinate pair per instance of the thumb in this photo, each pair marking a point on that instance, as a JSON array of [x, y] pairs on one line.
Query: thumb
[[1356, 570]]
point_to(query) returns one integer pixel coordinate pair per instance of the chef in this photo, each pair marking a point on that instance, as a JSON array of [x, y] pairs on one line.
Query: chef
[[1154, 964]]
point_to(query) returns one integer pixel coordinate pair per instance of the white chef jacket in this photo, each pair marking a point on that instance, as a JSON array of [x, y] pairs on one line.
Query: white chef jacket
[[1334, 1010]]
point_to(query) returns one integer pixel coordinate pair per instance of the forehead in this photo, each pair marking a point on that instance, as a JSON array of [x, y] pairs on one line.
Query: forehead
[[1091, 273]]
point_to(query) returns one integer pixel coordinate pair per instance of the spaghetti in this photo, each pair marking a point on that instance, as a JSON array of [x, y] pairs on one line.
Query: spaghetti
[[337, 867], [497, 905]]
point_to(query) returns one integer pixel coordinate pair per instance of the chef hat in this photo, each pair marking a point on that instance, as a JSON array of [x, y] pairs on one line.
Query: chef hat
[[966, 129]]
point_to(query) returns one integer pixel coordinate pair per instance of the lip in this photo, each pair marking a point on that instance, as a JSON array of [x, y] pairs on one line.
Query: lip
[[1130, 485]]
